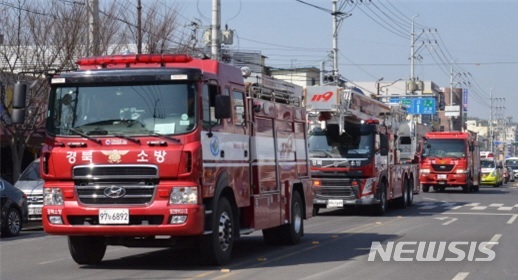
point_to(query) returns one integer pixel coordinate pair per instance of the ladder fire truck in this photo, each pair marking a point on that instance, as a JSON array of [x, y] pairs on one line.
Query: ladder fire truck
[[185, 150], [353, 151]]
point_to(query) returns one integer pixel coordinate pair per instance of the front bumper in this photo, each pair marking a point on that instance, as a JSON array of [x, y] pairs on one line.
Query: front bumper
[[143, 221], [443, 179]]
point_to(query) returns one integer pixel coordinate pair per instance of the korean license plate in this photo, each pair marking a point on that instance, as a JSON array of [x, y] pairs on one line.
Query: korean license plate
[[335, 203], [113, 216], [442, 176], [35, 211]]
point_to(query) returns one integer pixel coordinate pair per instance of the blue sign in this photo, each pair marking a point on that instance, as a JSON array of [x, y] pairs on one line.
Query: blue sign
[[417, 105]]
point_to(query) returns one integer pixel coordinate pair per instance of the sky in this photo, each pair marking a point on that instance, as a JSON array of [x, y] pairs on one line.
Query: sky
[[477, 38]]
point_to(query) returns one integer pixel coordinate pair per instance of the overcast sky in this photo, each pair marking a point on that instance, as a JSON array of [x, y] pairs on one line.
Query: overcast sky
[[478, 37]]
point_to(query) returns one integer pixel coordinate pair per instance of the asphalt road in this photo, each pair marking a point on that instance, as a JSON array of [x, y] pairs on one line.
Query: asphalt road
[[337, 245]]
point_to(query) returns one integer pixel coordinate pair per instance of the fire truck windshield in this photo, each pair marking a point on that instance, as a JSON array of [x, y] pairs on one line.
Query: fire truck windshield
[[444, 148], [356, 142], [144, 109]]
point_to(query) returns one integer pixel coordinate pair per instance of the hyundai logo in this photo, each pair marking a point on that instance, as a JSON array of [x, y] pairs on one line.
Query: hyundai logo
[[114, 192]]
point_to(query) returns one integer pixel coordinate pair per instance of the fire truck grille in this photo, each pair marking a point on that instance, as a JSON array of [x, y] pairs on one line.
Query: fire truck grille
[[335, 192], [119, 184], [115, 193], [335, 188], [442, 167], [115, 171]]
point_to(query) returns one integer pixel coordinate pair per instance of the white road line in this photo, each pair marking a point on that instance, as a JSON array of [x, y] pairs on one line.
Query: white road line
[[460, 276], [512, 219], [496, 205], [473, 204], [505, 208], [494, 240], [456, 207], [479, 208], [450, 221]]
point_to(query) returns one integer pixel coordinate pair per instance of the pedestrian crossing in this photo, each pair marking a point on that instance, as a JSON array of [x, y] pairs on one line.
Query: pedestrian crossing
[[474, 206]]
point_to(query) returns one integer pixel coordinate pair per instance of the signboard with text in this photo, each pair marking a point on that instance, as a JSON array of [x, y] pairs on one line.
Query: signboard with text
[[417, 105]]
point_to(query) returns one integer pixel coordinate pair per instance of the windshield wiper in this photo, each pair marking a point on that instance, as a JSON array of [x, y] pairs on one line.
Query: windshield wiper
[[134, 140], [79, 132], [176, 140]]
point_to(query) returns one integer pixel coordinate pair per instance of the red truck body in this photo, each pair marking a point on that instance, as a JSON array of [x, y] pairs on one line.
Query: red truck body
[[450, 159], [193, 151], [353, 148]]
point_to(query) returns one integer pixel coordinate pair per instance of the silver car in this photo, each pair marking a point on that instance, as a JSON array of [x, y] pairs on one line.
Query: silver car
[[31, 184]]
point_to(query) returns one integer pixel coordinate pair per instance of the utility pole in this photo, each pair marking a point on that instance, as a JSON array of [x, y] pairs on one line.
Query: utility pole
[[92, 48], [337, 20], [139, 27], [412, 50], [216, 30]]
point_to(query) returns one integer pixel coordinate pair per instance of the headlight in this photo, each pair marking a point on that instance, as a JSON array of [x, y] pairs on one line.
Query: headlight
[[52, 196], [424, 171], [184, 195]]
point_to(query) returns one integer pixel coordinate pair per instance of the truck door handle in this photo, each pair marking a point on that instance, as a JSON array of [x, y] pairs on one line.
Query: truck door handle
[[246, 153], [222, 154]]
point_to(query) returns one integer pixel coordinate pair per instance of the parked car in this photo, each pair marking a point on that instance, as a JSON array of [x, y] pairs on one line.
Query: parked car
[[14, 209], [491, 172], [31, 184]]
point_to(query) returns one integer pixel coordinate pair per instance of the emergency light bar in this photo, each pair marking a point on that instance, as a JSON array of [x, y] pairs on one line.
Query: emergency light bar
[[134, 58]]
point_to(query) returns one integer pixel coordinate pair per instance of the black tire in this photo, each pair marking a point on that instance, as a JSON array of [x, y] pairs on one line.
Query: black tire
[[216, 248], [410, 200], [292, 232], [436, 188], [469, 186], [381, 208], [88, 250], [426, 188], [12, 224], [402, 201], [476, 188]]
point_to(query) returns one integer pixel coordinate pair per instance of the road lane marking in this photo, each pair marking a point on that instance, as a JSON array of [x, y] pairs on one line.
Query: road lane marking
[[479, 208], [512, 219], [460, 276], [493, 241], [496, 205]]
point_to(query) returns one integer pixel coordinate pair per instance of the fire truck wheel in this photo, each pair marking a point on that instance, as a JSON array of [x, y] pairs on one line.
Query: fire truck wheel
[[426, 188], [410, 189], [292, 233], [316, 209], [402, 202], [216, 248], [87, 249], [381, 208]]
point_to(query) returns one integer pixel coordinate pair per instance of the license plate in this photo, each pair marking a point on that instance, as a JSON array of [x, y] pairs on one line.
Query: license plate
[[34, 211], [442, 176], [442, 183], [335, 203], [113, 216]]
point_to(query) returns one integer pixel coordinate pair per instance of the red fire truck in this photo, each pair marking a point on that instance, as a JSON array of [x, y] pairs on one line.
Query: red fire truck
[[450, 159], [354, 155], [144, 150]]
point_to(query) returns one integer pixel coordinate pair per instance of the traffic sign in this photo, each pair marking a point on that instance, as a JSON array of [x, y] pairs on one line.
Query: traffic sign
[[417, 105]]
